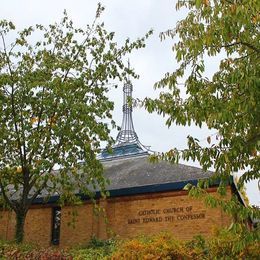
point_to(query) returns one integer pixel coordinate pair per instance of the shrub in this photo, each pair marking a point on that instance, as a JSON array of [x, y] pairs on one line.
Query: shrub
[[96, 249], [10, 250], [240, 245], [226, 244], [162, 246]]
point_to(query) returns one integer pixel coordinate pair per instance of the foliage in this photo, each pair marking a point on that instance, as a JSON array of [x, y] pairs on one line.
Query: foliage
[[234, 245], [159, 247], [165, 246], [229, 101], [224, 245], [96, 249], [10, 250], [53, 103]]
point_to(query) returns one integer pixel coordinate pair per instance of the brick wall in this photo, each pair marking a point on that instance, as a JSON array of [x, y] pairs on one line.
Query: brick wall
[[7, 225], [77, 224], [38, 226], [127, 216], [173, 212]]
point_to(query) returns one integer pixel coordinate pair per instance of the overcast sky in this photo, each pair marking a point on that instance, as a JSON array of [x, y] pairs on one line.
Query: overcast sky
[[127, 19]]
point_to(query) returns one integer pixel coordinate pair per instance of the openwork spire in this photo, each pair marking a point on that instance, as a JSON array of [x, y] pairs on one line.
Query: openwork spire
[[127, 142], [127, 133]]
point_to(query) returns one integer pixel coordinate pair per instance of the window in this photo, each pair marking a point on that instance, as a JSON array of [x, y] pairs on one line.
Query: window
[[56, 218]]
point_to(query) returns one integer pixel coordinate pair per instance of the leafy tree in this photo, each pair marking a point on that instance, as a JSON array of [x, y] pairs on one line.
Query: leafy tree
[[229, 101], [53, 102]]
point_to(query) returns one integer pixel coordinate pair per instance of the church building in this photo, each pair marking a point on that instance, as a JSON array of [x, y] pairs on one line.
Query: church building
[[145, 198]]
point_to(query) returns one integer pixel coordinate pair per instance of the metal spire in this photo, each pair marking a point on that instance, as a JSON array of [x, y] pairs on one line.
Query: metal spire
[[127, 142], [127, 133]]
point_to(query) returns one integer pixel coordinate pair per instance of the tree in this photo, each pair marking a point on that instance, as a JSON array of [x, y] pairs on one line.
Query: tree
[[229, 101], [53, 102]]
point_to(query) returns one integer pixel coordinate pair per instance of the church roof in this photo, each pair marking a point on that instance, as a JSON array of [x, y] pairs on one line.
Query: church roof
[[135, 175], [139, 171]]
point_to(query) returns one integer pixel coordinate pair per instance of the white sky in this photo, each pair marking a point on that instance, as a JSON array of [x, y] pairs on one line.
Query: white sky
[[127, 19]]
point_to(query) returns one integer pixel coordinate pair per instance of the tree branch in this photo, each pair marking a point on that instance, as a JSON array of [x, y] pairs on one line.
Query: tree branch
[[250, 46], [9, 201], [242, 43]]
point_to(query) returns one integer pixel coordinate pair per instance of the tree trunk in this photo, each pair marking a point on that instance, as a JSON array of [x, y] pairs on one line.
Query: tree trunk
[[19, 229]]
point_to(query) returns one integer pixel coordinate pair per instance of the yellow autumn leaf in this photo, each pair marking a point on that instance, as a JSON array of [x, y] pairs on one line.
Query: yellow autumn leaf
[[255, 19], [37, 162], [233, 8], [52, 120], [254, 152], [19, 169], [206, 2], [34, 120]]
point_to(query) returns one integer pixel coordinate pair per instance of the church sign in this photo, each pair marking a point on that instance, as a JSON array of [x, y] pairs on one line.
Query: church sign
[[165, 215]]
